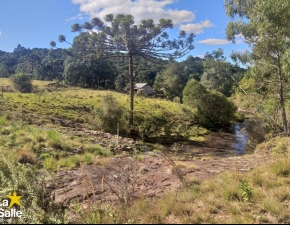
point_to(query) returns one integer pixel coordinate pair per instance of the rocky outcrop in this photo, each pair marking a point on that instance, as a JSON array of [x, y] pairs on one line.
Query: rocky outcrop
[[123, 179]]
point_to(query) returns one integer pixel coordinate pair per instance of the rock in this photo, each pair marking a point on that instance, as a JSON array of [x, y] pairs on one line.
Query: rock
[[144, 170], [78, 150], [148, 181], [107, 135]]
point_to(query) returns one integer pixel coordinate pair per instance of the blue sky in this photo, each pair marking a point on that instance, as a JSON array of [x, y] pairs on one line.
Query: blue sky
[[34, 23]]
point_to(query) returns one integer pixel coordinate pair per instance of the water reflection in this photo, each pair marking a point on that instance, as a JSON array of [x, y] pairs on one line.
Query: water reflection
[[223, 142], [240, 139]]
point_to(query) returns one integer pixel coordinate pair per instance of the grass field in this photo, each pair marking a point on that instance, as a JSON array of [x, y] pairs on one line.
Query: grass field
[[39, 122], [79, 105], [6, 82]]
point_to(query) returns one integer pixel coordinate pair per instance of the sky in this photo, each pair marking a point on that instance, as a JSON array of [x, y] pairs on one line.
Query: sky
[[34, 23]]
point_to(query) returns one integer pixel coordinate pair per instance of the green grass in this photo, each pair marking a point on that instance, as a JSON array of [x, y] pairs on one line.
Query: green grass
[[26, 143], [78, 105]]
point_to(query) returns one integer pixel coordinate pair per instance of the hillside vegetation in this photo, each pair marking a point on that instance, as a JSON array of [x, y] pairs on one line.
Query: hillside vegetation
[[56, 117]]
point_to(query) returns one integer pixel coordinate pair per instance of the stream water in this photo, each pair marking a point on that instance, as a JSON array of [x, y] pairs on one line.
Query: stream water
[[237, 139], [233, 140]]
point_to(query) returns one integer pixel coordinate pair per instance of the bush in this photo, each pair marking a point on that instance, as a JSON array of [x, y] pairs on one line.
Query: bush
[[213, 108], [22, 82], [176, 99], [110, 114], [151, 124], [193, 93]]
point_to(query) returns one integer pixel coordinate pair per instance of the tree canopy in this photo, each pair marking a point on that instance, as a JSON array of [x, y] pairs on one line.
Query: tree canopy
[[265, 26]]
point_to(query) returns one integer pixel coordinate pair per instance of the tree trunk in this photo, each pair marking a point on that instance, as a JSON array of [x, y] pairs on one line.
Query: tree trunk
[[131, 89], [282, 103]]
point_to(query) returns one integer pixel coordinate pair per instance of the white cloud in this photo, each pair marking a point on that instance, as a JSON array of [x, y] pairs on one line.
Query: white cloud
[[214, 41], [200, 56], [77, 17], [239, 38], [196, 28], [140, 9]]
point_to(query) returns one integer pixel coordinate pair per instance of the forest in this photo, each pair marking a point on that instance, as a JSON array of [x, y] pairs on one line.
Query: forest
[[213, 71]]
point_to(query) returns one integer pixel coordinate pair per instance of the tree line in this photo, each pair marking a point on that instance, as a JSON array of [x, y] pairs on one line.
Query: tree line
[[213, 71]]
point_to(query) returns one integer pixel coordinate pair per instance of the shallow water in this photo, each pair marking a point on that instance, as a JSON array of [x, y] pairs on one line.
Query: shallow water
[[237, 138], [223, 142]]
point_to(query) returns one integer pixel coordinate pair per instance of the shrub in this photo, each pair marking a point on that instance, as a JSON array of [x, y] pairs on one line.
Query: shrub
[[22, 82], [215, 110], [109, 114], [176, 99], [247, 192], [193, 93], [150, 124]]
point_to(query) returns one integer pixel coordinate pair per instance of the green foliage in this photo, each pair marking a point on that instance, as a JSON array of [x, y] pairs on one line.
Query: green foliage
[[109, 114], [213, 108], [151, 124], [218, 74], [193, 93], [172, 80], [89, 73], [4, 70], [120, 37], [247, 192], [54, 137], [269, 56], [282, 167], [50, 163], [128, 33], [280, 149], [22, 82], [96, 213], [36, 206], [193, 67], [176, 99]]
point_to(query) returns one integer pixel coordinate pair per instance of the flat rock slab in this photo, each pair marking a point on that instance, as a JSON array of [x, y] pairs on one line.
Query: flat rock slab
[[125, 178]]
